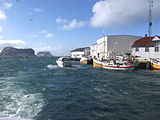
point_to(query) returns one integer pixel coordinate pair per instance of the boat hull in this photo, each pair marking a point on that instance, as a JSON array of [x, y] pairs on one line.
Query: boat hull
[[156, 66], [155, 63], [63, 64], [86, 61], [116, 67], [97, 63]]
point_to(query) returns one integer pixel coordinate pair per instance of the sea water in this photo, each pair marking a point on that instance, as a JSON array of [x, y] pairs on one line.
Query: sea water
[[37, 89]]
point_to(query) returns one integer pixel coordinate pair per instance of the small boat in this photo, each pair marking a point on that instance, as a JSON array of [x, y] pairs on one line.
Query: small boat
[[86, 60], [97, 63], [113, 65], [63, 62], [155, 63]]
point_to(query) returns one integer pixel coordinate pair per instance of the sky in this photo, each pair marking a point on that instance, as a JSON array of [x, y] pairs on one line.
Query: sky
[[60, 26]]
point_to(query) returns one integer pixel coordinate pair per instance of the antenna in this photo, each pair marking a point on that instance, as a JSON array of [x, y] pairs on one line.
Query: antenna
[[150, 17]]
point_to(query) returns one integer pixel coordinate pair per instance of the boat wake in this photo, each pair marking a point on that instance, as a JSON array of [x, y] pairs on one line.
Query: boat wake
[[50, 66], [16, 102], [14, 119]]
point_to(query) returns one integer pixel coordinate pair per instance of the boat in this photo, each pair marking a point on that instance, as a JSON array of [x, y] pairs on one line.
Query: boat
[[63, 62], [116, 65], [97, 62], [86, 60], [155, 63]]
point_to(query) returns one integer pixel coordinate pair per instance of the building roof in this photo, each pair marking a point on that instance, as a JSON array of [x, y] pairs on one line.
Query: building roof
[[80, 49], [144, 42]]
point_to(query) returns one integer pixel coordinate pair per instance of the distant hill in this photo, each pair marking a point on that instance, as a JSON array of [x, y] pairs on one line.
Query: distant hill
[[44, 54], [14, 52]]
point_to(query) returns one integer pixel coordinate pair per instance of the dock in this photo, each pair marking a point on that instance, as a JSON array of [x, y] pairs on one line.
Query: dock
[[143, 64]]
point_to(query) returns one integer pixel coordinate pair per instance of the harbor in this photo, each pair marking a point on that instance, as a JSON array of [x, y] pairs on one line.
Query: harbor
[[140, 52], [79, 60], [38, 91]]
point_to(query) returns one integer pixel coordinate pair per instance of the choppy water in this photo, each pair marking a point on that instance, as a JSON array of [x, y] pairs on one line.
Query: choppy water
[[35, 88]]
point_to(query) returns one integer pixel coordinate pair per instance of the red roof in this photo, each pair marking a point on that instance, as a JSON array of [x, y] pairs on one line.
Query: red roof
[[143, 42]]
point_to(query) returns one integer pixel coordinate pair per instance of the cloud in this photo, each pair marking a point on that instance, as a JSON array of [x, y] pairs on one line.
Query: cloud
[[60, 20], [1, 37], [12, 43], [1, 29], [2, 15], [44, 31], [70, 25], [49, 35], [55, 50], [37, 10], [7, 5], [117, 13], [73, 25], [3, 8]]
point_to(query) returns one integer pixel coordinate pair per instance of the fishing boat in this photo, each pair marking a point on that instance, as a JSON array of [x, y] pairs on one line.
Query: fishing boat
[[86, 60], [155, 63], [63, 62], [115, 65], [97, 62]]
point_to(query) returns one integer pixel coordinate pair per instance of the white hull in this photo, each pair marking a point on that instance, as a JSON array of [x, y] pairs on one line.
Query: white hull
[[62, 63], [117, 67]]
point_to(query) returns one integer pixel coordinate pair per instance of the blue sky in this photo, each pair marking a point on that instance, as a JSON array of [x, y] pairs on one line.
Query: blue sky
[[62, 25]]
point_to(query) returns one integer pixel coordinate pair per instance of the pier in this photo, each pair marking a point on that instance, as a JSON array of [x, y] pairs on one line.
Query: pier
[[143, 64]]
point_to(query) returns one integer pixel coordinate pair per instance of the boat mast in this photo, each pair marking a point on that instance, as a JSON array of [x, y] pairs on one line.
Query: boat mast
[[104, 45], [150, 17]]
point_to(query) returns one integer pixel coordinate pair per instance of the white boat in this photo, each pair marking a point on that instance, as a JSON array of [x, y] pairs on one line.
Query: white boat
[[113, 65], [63, 62]]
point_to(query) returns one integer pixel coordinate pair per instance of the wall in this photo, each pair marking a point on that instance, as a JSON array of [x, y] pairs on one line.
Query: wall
[[77, 54], [121, 44], [146, 55], [112, 45]]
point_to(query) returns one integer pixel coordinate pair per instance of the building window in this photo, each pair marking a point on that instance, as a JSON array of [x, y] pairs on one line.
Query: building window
[[156, 49], [137, 49], [146, 49]]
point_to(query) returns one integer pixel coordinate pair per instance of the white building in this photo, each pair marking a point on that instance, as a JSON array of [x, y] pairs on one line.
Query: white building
[[80, 52], [112, 45], [147, 47]]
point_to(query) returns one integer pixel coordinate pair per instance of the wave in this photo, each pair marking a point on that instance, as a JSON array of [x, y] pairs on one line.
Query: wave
[[18, 103], [14, 119], [50, 66]]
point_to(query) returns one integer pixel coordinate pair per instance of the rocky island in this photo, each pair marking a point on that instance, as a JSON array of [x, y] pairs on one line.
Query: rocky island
[[15, 52], [44, 54]]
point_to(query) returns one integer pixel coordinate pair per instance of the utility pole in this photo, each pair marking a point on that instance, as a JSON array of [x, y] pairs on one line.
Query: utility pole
[[150, 17]]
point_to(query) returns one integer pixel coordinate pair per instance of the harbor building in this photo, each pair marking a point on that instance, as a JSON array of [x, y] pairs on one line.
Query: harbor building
[[112, 45], [80, 52], [147, 47]]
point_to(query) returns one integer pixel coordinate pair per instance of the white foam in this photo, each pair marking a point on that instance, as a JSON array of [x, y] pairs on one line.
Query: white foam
[[14, 119], [50, 66], [17, 103]]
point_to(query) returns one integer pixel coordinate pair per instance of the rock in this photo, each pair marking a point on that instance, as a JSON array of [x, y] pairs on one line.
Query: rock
[[44, 54], [14, 52]]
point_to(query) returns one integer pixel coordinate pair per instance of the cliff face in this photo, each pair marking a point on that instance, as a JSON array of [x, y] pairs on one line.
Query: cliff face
[[44, 54], [14, 52]]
